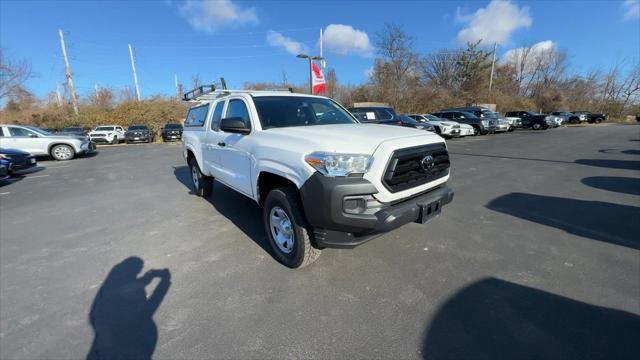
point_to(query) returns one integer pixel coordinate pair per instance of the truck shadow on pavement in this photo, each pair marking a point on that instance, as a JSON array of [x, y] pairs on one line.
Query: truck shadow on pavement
[[602, 221], [622, 185], [497, 319], [243, 212], [122, 314]]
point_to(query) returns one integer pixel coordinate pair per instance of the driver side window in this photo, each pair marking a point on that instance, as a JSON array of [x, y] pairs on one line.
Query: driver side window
[[20, 132]]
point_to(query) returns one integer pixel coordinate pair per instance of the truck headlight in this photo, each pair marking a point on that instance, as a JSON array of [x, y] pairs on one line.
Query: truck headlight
[[332, 164], [485, 122]]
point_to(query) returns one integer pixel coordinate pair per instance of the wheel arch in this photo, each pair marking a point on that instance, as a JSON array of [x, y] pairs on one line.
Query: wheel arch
[[268, 180]]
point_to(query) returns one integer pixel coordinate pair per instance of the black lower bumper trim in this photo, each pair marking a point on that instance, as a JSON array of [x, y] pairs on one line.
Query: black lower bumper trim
[[322, 200]]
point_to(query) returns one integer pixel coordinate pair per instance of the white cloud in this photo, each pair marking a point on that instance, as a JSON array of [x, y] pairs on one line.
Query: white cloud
[[531, 55], [494, 23], [344, 39], [211, 15], [274, 38], [631, 9]]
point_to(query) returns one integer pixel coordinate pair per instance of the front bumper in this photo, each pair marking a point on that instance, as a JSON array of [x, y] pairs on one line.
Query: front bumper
[[323, 199], [22, 163], [450, 131], [132, 138], [87, 147], [169, 137]]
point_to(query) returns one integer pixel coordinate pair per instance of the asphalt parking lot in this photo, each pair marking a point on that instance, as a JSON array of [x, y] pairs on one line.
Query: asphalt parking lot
[[538, 256]]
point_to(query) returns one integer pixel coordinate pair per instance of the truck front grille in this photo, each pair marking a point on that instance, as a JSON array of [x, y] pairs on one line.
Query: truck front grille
[[416, 166]]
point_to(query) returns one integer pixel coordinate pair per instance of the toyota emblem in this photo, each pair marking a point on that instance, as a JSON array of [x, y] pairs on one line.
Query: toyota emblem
[[427, 162]]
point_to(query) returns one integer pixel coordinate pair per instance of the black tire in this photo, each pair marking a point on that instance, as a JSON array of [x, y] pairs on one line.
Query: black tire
[[437, 128], [599, 120], [536, 126], [202, 184], [115, 141], [127, 142], [476, 130], [62, 152], [302, 251]]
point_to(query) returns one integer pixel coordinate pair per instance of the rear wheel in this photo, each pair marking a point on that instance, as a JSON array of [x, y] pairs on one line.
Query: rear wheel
[[287, 229], [62, 152], [536, 126], [202, 184], [599, 120]]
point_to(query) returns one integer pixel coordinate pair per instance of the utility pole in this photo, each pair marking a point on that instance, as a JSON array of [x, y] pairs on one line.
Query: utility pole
[[178, 90], [493, 64], [95, 89], [58, 96], [135, 75], [67, 70], [323, 62]]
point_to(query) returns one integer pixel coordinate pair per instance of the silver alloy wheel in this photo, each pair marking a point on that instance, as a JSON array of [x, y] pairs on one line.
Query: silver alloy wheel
[[62, 152], [281, 229], [195, 177], [537, 126]]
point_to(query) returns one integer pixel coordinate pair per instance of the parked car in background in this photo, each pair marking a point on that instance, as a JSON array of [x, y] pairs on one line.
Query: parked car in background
[[39, 142], [139, 133], [171, 131], [555, 120], [480, 126], [17, 160], [592, 117], [73, 130], [407, 121], [466, 130], [4, 172], [444, 128], [109, 134], [375, 115], [568, 117], [532, 120], [514, 122]]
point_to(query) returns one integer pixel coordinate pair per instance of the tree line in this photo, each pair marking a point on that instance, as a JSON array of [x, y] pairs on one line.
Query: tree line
[[535, 77]]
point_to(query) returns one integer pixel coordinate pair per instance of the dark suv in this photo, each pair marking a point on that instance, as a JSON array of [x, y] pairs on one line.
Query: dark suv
[[480, 126], [592, 117], [532, 120], [171, 132], [140, 133]]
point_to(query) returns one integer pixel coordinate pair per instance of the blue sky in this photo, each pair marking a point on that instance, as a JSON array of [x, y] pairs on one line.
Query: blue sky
[[255, 40]]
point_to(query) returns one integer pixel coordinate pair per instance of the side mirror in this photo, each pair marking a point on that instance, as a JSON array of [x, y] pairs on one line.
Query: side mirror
[[234, 125]]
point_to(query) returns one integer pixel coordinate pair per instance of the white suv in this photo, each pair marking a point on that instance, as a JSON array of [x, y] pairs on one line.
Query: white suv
[[322, 178], [110, 134]]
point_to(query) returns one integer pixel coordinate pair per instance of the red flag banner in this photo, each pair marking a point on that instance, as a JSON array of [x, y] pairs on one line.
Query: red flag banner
[[317, 80]]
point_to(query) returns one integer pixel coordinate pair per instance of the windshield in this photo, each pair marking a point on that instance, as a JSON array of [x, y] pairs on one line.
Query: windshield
[[38, 130], [138, 127], [104, 128], [173, 126], [286, 111]]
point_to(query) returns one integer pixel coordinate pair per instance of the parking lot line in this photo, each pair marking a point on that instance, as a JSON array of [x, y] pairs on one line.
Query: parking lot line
[[5, 193], [56, 167], [35, 176]]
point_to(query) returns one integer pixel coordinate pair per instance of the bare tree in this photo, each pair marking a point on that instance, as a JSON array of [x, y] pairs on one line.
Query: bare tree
[[332, 83], [13, 75], [195, 81]]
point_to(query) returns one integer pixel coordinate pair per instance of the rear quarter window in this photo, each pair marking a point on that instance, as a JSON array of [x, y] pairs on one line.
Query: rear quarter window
[[196, 116]]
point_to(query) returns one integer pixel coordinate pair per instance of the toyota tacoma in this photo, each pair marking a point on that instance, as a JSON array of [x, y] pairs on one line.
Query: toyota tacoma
[[321, 178]]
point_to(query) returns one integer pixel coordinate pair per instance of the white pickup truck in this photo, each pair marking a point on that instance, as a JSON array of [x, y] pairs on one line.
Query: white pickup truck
[[321, 178]]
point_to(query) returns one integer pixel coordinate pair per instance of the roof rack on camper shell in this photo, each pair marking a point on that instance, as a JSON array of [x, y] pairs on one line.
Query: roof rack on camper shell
[[209, 92]]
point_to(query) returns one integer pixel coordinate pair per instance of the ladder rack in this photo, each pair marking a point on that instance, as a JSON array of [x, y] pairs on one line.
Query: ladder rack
[[209, 92]]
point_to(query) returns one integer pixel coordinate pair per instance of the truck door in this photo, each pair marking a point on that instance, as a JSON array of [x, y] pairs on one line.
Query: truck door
[[235, 155], [211, 152]]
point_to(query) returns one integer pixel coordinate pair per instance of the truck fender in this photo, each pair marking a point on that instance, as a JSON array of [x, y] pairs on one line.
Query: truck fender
[[279, 169]]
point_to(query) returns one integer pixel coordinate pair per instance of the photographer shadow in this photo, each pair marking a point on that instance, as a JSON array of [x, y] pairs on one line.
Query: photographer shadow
[[122, 314]]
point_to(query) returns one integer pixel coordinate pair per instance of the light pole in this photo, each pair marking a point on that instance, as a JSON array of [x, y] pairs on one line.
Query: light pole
[[311, 58]]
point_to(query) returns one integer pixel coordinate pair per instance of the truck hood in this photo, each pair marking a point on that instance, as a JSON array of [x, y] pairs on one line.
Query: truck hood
[[346, 138], [101, 132]]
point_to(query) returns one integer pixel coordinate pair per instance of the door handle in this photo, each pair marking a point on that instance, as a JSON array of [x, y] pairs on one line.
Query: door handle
[[222, 144]]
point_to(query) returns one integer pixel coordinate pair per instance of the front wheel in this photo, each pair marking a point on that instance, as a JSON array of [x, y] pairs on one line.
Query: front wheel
[[62, 152], [476, 131], [536, 126], [287, 229], [115, 140], [202, 184], [598, 120]]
